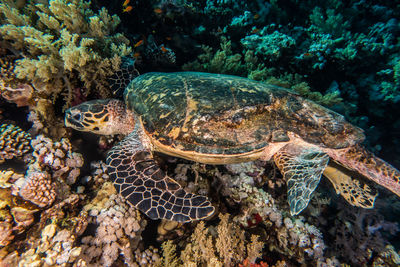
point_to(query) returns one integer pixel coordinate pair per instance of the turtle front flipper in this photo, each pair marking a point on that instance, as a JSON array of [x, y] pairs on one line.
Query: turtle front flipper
[[302, 169], [138, 178]]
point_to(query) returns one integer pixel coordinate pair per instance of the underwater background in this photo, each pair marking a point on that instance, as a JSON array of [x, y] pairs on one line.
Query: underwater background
[[57, 205]]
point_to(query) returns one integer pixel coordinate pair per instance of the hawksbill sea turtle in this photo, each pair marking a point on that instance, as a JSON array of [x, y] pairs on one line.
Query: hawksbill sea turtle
[[223, 119]]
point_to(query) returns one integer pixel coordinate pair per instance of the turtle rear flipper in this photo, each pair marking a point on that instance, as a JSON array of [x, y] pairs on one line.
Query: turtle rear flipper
[[356, 193], [361, 160], [302, 169], [138, 178]]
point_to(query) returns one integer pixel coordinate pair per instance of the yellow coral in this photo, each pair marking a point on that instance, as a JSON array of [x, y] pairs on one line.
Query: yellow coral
[[169, 254], [227, 246], [65, 44]]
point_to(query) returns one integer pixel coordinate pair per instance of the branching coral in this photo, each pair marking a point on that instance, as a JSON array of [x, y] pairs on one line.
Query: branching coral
[[224, 246], [294, 82], [269, 46], [224, 61], [60, 42]]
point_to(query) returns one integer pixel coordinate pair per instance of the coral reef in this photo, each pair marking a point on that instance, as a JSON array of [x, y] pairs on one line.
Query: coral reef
[[15, 215], [56, 210], [224, 61], [294, 236], [368, 227]]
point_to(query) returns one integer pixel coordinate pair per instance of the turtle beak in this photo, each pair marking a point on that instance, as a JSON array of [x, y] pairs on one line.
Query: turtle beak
[[67, 118]]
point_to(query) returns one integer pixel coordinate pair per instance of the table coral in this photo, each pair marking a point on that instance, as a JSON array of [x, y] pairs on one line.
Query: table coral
[[14, 142]]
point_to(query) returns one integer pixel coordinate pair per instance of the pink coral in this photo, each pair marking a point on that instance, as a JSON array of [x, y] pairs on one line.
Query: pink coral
[[57, 156], [21, 94]]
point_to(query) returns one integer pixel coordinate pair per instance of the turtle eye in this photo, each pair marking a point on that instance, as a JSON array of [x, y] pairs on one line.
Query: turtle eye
[[77, 117]]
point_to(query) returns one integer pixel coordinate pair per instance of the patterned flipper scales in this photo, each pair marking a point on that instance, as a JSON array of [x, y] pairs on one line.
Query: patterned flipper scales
[[357, 194], [302, 169], [138, 178], [121, 78]]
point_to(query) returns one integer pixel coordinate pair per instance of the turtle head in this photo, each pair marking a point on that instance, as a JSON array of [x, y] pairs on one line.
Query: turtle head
[[103, 116]]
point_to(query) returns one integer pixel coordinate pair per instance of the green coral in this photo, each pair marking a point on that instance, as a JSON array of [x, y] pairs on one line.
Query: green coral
[[225, 61], [328, 22], [388, 88], [294, 82], [62, 44], [269, 46]]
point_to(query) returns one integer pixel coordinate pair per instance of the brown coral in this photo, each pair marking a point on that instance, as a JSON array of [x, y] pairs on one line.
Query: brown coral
[[38, 189], [6, 232], [7, 69], [14, 142]]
